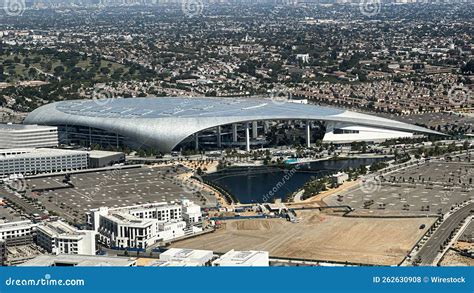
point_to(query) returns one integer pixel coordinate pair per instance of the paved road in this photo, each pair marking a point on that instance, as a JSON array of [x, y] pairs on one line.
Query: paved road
[[21, 203], [430, 250]]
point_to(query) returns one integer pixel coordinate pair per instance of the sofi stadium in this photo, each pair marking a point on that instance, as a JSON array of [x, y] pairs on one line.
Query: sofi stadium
[[169, 123]]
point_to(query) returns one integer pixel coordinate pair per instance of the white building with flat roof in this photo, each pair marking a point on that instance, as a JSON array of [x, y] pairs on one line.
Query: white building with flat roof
[[142, 225], [161, 211], [76, 260], [172, 230], [122, 230], [58, 237], [17, 233], [32, 161], [186, 257], [339, 178], [191, 212], [27, 136], [243, 259]]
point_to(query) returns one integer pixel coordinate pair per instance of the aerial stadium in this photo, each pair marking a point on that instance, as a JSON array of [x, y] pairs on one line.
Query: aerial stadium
[[170, 123]]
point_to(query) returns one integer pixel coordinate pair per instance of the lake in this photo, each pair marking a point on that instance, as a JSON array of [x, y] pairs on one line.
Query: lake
[[252, 184]]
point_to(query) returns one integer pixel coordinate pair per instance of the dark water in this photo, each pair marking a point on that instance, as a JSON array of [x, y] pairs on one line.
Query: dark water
[[253, 184]]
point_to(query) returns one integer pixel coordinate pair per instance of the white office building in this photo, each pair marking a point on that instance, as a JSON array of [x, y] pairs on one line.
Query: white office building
[[58, 237], [76, 260], [243, 259], [185, 257], [17, 233], [191, 212], [122, 230], [27, 136], [142, 225], [32, 161], [163, 212]]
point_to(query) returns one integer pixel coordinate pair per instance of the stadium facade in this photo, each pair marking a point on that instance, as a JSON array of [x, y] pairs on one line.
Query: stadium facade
[[166, 122]]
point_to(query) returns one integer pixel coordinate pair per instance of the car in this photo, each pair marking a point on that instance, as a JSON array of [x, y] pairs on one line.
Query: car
[[422, 226]]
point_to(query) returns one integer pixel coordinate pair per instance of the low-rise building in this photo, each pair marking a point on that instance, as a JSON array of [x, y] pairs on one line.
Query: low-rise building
[[99, 159], [243, 259], [339, 178], [161, 211], [32, 161], [17, 233], [76, 260], [119, 229], [191, 212], [58, 237], [27, 136], [186, 257], [172, 230], [142, 225]]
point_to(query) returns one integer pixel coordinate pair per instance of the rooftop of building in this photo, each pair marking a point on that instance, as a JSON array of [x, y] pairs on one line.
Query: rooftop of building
[[144, 206], [16, 225], [38, 152], [161, 263], [59, 228], [103, 154], [183, 253], [18, 127], [164, 122], [80, 261], [241, 257], [183, 107], [128, 219]]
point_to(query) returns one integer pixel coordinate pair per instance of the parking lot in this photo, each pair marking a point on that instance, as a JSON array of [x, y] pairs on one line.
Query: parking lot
[[434, 119], [8, 214], [116, 188], [430, 188]]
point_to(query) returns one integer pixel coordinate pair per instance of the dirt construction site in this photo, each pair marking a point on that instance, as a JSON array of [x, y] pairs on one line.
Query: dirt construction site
[[319, 237]]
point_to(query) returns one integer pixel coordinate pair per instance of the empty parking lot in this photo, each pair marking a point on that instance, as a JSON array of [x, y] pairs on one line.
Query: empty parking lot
[[430, 188], [116, 188]]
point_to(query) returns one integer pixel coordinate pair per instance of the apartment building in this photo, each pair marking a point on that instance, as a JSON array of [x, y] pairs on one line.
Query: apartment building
[[140, 226], [58, 237], [17, 233]]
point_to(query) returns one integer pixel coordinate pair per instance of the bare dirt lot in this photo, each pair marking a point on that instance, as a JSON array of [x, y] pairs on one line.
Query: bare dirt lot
[[453, 258], [318, 236]]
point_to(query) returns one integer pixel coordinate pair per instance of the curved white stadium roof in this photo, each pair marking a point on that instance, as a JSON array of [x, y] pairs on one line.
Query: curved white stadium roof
[[166, 121]]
